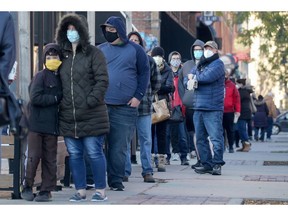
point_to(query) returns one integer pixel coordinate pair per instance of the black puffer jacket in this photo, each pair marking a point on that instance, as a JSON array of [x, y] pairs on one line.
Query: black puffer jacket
[[85, 80], [45, 93]]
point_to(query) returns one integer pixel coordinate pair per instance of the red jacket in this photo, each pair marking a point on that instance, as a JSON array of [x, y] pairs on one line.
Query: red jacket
[[232, 98], [176, 97]]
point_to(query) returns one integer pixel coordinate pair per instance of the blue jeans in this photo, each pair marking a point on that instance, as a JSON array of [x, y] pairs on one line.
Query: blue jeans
[[177, 135], [122, 126], [209, 123], [242, 129], [93, 145], [145, 140], [262, 133]]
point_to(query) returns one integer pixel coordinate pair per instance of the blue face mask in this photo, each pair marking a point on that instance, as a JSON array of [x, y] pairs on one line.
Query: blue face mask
[[73, 36], [198, 54]]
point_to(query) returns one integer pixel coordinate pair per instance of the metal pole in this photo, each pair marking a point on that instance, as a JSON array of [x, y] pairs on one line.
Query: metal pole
[[91, 25]]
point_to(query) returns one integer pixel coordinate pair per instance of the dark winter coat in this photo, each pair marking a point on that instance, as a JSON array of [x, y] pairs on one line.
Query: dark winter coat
[[85, 80], [246, 112], [261, 116], [7, 44], [45, 92], [167, 85], [210, 74]]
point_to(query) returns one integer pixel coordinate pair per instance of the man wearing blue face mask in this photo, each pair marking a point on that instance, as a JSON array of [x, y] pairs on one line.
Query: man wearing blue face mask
[[208, 105], [196, 52]]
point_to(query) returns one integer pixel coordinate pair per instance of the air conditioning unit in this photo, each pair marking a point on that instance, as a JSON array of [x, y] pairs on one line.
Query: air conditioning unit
[[208, 13]]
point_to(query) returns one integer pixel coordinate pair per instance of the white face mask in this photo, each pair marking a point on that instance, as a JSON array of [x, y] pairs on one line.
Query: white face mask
[[208, 53]]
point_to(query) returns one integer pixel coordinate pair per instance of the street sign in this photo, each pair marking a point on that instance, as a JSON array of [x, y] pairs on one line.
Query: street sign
[[208, 20]]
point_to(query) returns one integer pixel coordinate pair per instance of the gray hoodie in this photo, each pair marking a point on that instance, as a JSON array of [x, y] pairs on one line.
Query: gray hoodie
[[188, 65]]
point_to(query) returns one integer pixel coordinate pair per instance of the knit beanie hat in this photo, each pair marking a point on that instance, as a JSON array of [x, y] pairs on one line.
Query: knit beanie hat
[[157, 51]]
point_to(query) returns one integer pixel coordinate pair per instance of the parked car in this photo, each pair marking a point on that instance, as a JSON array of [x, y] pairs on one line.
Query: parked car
[[281, 123]]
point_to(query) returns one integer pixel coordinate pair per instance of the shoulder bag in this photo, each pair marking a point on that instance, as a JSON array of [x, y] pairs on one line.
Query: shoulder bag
[[161, 110]]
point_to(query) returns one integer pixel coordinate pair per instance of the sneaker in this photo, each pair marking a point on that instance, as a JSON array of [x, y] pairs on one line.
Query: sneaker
[[216, 170], [198, 164], [98, 197], [43, 196], [167, 162], [27, 194], [149, 178], [117, 187], [175, 157], [125, 179], [184, 162], [203, 170], [77, 198]]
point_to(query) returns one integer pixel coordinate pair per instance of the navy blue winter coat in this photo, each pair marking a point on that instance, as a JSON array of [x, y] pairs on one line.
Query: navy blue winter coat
[[210, 74]]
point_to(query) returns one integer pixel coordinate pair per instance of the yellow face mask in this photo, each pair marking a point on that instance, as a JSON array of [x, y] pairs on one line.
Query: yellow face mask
[[53, 64]]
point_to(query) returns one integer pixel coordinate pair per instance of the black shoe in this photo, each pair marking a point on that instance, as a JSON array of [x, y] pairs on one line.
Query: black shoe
[[216, 170], [125, 179], [198, 164], [27, 194], [203, 170], [184, 162], [117, 187], [231, 150], [43, 196], [133, 159]]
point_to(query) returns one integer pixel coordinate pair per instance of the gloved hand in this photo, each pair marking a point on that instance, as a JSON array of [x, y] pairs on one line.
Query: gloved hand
[[236, 117], [192, 84]]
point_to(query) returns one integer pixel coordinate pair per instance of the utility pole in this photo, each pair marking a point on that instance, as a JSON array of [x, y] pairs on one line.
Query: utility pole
[[91, 25], [24, 50]]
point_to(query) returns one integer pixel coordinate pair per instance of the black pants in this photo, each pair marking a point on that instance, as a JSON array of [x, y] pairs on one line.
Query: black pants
[[41, 147], [228, 126]]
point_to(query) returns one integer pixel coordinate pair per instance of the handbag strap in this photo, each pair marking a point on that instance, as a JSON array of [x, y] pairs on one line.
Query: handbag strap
[[156, 97]]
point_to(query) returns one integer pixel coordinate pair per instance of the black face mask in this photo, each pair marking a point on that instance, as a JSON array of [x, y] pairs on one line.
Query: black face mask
[[110, 36]]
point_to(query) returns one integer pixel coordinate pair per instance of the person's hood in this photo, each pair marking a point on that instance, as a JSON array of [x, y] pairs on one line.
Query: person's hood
[[196, 43], [49, 47], [138, 35], [259, 102], [117, 23], [173, 53], [81, 25]]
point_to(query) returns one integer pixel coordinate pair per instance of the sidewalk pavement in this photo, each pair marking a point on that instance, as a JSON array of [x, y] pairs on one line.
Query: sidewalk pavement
[[259, 175]]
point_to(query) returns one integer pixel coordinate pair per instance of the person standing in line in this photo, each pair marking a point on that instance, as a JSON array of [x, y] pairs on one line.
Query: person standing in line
[[144, 117], [7, 51], [208, 105], [83, 116], [45, 93], [245, 115], [177, 132], [260, 119], [159, 130], [196, 52], [272, 113], [129, 75], [232, 108]]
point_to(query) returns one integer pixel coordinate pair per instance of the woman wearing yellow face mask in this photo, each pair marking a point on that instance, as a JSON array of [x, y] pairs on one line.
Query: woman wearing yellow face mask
[[45, 91]]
